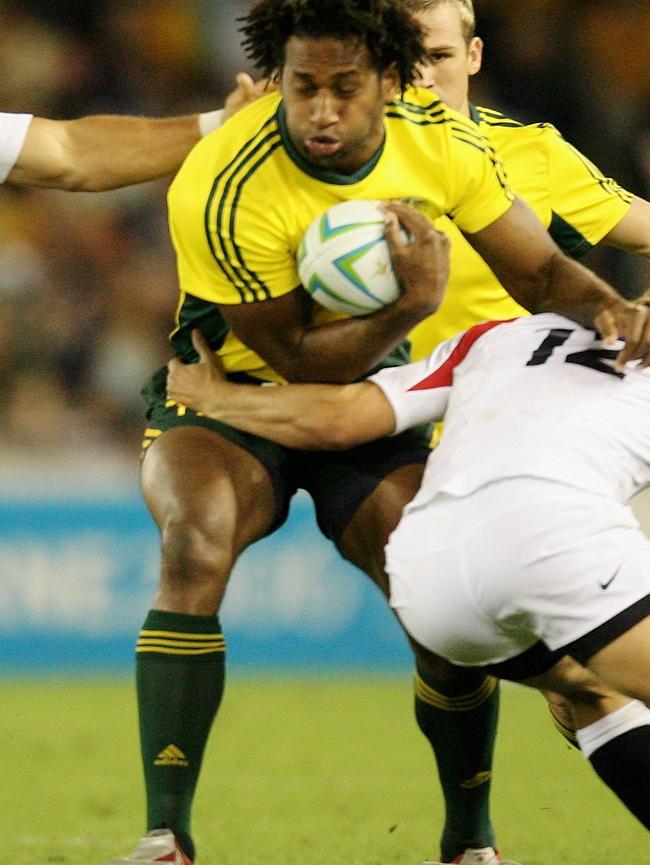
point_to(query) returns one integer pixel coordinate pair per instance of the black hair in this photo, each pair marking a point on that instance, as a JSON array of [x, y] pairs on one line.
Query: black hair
[[386, 27]]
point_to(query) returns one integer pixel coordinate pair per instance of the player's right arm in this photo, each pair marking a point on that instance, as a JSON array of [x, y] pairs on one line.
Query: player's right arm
[[279, 330], [530, 265], [305, 416], [107, 152]]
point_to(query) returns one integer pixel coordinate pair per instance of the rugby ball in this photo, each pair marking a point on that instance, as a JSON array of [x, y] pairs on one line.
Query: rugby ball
[[344, 262]]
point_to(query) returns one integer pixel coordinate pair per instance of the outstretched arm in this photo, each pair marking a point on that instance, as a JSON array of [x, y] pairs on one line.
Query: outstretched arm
[[542, 279], [102, 152], [305, 416]]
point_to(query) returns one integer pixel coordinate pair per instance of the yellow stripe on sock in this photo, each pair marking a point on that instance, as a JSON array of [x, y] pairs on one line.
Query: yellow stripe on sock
[[163, 650], [180, 635], [462, 703], [179, 643], [182, 644]]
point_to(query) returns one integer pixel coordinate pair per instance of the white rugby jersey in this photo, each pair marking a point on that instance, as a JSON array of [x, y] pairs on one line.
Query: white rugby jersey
[[13, 131], [535, 397]]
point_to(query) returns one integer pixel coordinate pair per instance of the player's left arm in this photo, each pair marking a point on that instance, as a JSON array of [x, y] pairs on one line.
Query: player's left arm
[[102, 152], [305, 416], [598, 208], [632, 233], [527, 262], [531, 267]]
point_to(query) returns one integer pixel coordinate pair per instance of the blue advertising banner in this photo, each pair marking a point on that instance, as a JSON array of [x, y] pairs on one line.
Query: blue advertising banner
[[77, 577]]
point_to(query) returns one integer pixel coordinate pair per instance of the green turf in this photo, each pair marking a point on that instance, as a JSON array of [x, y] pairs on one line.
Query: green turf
[[320, 772]]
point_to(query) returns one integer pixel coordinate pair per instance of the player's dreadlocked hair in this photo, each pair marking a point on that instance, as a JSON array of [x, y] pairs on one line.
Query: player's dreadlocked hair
[[385, 27]]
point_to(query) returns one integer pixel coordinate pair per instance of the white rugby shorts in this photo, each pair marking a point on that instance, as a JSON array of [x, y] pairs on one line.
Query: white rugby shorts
[[486, 578]]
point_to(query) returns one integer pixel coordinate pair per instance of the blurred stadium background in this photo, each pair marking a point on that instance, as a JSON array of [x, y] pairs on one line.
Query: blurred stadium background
[[88, 289]]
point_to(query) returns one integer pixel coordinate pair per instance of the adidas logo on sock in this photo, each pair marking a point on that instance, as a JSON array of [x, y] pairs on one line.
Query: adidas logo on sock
[[476, 780], [171, 756]]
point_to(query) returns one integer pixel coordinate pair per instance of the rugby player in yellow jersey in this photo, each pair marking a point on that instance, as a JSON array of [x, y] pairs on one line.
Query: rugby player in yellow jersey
[[238, 209], [575, 201]]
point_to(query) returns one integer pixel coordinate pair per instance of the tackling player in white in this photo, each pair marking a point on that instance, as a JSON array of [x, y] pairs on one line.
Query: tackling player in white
[[519, 548]]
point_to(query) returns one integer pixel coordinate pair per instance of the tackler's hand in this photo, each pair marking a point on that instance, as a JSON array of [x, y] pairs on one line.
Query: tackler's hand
[[196, 385], [631, 323]]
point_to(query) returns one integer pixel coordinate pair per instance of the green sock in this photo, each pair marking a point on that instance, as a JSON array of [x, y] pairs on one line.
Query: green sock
[[460, 724], [180, 671]]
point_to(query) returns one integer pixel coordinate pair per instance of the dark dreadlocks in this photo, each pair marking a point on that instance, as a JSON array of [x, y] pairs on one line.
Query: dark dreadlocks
[[385, 27]]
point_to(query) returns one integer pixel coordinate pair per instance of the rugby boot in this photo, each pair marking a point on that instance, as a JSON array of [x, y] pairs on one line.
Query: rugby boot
[[475, 856], [157, 846]]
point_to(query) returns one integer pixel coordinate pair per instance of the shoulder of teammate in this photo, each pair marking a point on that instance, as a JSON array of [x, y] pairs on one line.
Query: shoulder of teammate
[[478, 187], [581, 195], [493, 118], [503, 131], [566, 162], [565, 157], [500, 129], [584, 204], [13, 132]]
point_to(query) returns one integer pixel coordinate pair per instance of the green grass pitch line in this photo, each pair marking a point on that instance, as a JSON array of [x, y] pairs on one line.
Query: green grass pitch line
[[323, 771]]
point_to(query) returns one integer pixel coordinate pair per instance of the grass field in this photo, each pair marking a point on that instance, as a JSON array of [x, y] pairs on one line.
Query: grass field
[[321, 772]]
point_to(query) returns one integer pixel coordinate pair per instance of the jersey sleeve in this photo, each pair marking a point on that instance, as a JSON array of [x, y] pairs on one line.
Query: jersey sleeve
[[482, 190], [229, 257], [582, 197], [228, 214], [419, 392], [13, 131]]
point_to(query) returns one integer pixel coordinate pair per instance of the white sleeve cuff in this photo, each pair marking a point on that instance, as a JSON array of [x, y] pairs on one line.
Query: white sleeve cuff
[[13, 131], [209, 121]]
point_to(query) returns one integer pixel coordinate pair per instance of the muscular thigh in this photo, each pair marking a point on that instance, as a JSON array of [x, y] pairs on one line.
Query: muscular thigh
[[195, 476], [359, 494], [212, 491], [367, 533]]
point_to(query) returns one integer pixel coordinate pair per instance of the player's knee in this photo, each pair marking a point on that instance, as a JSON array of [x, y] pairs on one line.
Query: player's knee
[[195, 553], [433, 667]]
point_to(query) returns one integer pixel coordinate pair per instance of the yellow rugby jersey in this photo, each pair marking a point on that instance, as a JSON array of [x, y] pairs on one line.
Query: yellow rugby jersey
[[241, 202], [573, 199]]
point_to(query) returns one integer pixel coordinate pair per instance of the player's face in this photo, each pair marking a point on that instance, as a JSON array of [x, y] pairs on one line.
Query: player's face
[[451, 59], [334, 102]]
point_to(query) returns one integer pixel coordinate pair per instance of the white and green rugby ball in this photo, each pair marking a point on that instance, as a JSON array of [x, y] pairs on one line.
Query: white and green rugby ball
[[344, 262]]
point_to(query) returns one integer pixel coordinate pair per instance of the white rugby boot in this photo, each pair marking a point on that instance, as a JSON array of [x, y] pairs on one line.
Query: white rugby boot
[[475, 856], [159, 845]]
